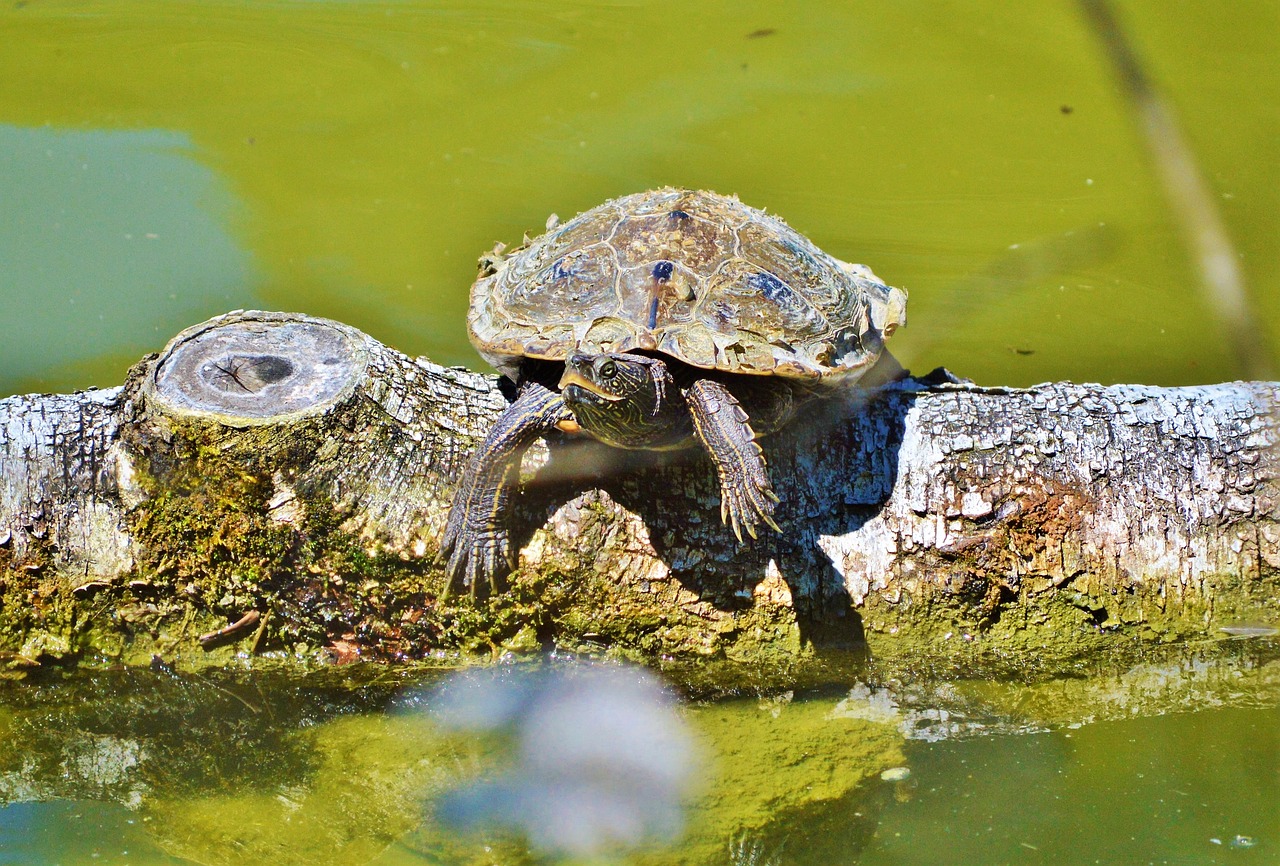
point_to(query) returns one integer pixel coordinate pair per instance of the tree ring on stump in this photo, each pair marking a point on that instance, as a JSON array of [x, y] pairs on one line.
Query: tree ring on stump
[[249, 368]]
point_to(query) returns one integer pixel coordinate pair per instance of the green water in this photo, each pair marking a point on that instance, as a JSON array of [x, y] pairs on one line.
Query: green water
[[1195, 788], [1172, 760], [165, 161], [161, 162]]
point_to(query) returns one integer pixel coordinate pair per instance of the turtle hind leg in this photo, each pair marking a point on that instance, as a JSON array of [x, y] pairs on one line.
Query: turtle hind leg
[[746, 496], [476, 545]]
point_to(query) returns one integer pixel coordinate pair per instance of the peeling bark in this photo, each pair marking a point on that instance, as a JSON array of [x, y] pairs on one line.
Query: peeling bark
[[296, 467]]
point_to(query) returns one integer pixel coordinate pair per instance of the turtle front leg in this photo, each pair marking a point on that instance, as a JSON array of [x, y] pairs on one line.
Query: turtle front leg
[[476, 544], [721, 425]]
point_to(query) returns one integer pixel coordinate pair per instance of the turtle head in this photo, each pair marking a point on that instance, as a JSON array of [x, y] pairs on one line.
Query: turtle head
[[625, 400]]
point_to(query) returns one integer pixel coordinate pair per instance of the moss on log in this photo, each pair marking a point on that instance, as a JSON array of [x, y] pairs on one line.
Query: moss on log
[[276, 484]]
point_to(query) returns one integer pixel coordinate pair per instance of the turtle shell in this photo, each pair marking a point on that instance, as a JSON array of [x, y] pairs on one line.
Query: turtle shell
[[698, 276]]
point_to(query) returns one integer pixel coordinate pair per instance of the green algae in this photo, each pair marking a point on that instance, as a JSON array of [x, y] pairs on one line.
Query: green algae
[[253, 767], [209, 548], [366, 788], [208, 535], [772, 758], [345, 761], [1042, 630]]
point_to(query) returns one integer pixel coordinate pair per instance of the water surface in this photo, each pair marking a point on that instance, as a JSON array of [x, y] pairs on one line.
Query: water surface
[[165, 161], [1174, 759]]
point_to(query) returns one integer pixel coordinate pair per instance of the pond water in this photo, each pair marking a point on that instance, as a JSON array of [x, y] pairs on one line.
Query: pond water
[[1172, 759], [165, 161]]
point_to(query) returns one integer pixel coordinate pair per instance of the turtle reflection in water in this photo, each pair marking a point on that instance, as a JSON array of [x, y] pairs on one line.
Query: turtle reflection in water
[[673, 318]]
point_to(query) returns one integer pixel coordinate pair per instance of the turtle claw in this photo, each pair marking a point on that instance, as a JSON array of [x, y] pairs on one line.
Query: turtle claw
[[475, 554], [773, 524], [477, 562], [744, 506]]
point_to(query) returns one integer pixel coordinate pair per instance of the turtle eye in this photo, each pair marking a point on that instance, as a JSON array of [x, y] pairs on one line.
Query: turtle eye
[[607, 369]]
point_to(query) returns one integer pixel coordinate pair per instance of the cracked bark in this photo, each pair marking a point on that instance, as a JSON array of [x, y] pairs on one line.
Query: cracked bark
[[297, 467]]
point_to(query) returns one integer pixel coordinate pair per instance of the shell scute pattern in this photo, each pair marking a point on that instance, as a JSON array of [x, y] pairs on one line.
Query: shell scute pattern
[[583, 281], [593, 227], [699, 276], [675, 301], [654, 201], [792, 259], [746, 298], [676, 235]]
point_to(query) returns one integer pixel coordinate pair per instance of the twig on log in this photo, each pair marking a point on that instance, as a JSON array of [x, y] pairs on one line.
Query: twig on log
[[230, 633]]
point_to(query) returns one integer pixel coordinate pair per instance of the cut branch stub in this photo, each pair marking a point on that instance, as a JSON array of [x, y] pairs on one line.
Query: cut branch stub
[[251, 368]]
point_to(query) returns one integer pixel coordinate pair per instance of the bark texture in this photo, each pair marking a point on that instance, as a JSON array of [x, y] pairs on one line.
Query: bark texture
[[296, 468]]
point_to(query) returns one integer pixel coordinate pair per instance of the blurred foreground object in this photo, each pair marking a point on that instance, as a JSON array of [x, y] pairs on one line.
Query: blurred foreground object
[[601, 756]]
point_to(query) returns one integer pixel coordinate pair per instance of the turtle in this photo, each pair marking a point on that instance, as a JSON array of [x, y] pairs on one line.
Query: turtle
[[666, 319]]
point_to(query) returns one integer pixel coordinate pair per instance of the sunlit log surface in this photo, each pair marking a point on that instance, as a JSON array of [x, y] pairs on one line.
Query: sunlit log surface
[[298, 468]]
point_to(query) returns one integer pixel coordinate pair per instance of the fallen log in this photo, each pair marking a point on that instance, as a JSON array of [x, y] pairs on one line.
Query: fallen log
[[296, 468]]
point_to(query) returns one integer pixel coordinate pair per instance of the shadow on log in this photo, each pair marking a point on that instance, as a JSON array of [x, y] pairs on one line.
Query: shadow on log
[[295, 468]]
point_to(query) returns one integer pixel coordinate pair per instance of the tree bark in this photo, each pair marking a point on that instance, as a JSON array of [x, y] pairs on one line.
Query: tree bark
[[297, 469]]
